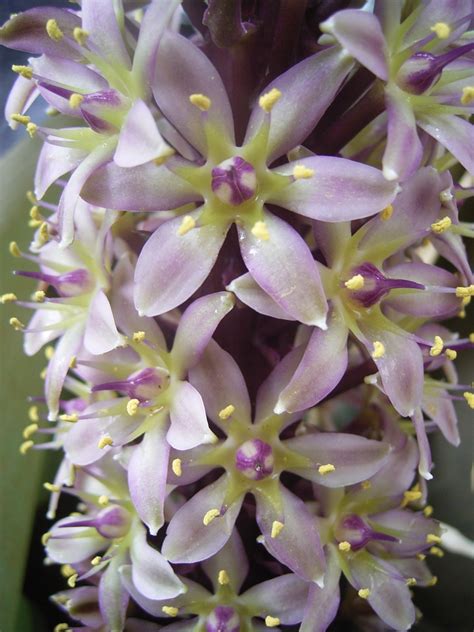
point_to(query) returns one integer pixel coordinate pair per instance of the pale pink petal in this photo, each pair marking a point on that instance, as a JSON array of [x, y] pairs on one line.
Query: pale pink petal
[[101, 333], [189, 426]]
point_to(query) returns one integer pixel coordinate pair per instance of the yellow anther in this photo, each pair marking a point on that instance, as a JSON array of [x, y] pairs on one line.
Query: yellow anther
[[300, 172], [451, 354], [420, 556], [277, 528], [435, 550], [52, 487], [75, 100], [176, 466], [344, 546], [33, 413], [32, 128], [326, 469], [428, 511], [39, 296], [25, 446], [43, 233], [8, 298], [53, 30], [226, 412], [463, 292], [46, 537], [366, 484], [260, 231], [410, 497], [24, 71], [48, 352], [467, 95], [104, 441], [16, 324], [187, 224], [43, 373], [471, 337], [441, 225], [411, 581], [223, 578], [103, 500], [379, 350], [31, 197], [210, 515], [50, 111], [355, 283], [72, 418], [61, 627], [268, 100], [437, 348], [132, 406], [364, 593], [71, 581], [171, 611], [80, 35], [95, 561], [20, 118], [386, 213], [433, 581], [469, 397], [441, 29], [200, 101], [432, 538], [139, 336], [67, 570], [272, 622], [73, 362], [13, 249], [30, 430], [466, 300]]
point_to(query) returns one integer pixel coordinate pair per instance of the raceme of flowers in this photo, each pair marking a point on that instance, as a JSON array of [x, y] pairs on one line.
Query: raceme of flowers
[[248, 231]]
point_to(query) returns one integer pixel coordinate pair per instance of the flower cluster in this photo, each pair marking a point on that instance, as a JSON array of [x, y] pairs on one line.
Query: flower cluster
[[246, 240]]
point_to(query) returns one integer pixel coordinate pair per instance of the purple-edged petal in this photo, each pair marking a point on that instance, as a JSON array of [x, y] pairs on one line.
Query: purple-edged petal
[[139, 139], [101, 333], [188, 539], [297, 545], [221, 383], [189, 426], [323, 364], [403, 151], [284, 267], [250, 293], [143, 188], [425, 463], [332, 238], [452, 248], [182, 69], [439, 406], [101, 21], [323, 603], [171, 266], [354, 458], [197, 326], [69, 545], [113, 598], [339, 190], [152, 575], [302, 101], [360, 34], [33, 341], [147, 471], [55, 161], [454, 133], [412, 529], [283, 597], [67, 347], [233, 558]]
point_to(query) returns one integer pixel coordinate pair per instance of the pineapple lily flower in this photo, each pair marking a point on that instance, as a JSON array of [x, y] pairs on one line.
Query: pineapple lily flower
[[233, 183], [424, 64]]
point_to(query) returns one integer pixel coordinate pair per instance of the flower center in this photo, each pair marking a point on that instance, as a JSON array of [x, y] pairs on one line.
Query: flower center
[[223, 619], [254, 459], [234, 181]]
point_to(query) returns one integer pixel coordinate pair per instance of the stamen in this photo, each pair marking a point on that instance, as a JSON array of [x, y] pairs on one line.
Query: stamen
[[435, 550], [32, 128], [176, 466], [428, 511], [469, 397], [24, 71], [71, 582], [8, 298], [138, 336], [171, 611], [364, 593], [465, 292], [67, 570], [300, 172], [25, 446], [33, 413], [30, 430], [13, 249], [48, 352], [420, 556], [411, 581], [366, 484], [386, 213], [441, 29], [95, 561], [260, 231], [39, 296], [52, 487], [16, 324], [432, 538], [53, 30], [43, 233], [187, 224], [433, 581], [61, 627], [437, 347], [451, 354], [104, 441], [410, 497], [103, 500], [75, 100], [326, 469], [467, 95], [269, 99], [226, 412], [223, 577], [272, 622], [200, 101], [210, 516], [132, 407], [379, 350], [344, 546], [441, 225], [46, 537], [355, 283], [23, 119], [80, 35], [277, 528]]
